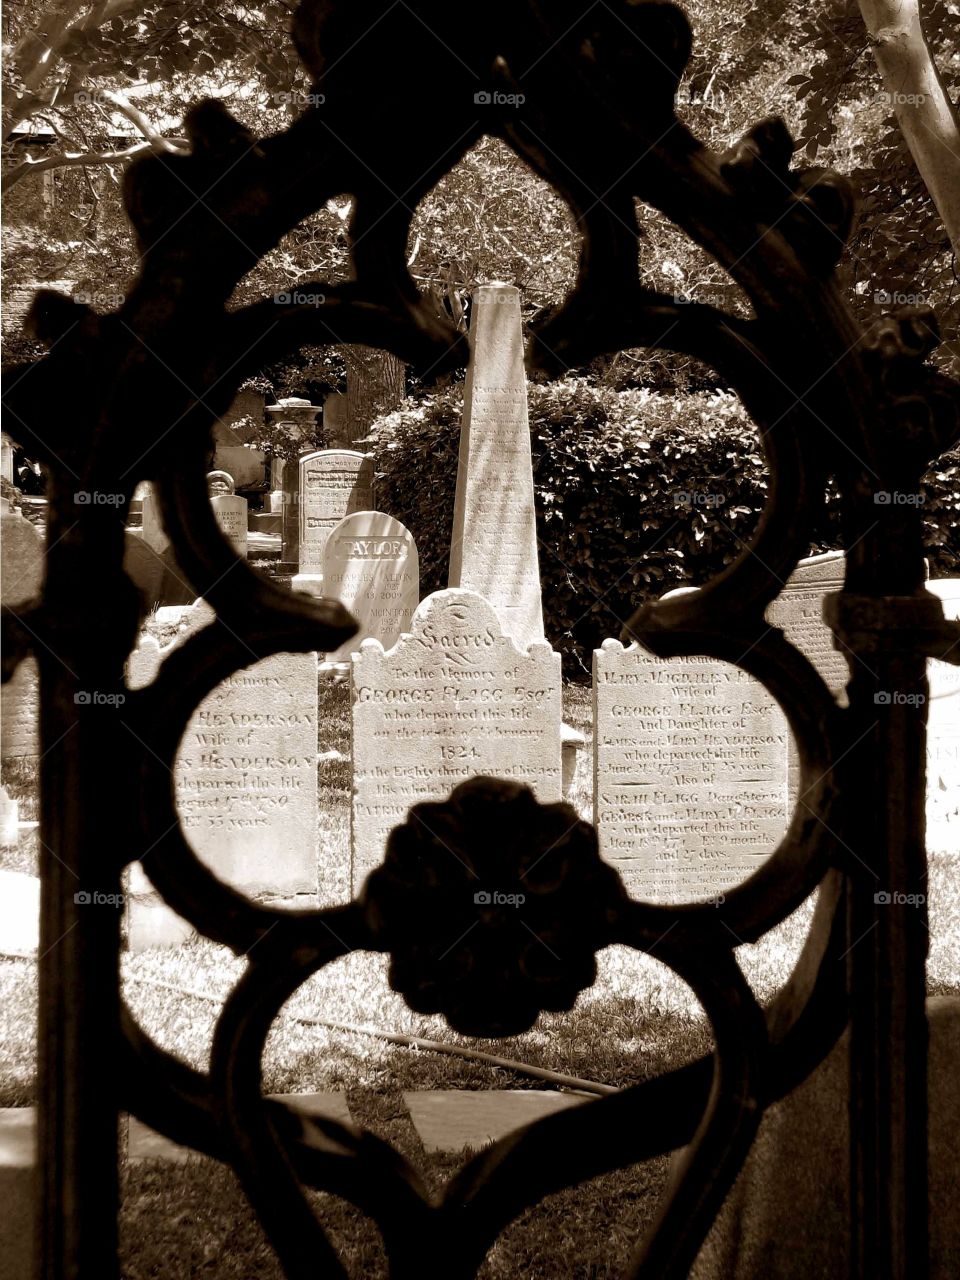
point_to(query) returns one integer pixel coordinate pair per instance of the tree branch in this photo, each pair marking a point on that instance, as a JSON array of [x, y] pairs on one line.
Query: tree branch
[[926, 116]]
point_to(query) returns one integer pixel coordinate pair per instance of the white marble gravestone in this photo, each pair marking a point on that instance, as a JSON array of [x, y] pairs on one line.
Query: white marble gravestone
[[454, 698], [333, 483], [230, 511], [246, 775], [494, 546], [370, 565], [21, 579], [690, 782]]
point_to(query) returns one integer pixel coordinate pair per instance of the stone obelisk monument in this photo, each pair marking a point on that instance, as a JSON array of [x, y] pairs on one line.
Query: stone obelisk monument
[[494, 546]]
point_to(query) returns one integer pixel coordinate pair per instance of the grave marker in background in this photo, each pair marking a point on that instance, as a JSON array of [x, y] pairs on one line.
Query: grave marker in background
[[453, 699], [21, 579], [370, 564], [689, 772], [333, 483], [230, 511], [245, 777], [494, 546]]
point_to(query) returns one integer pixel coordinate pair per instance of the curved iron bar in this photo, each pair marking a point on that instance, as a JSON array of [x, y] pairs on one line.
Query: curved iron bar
[[159, 371]]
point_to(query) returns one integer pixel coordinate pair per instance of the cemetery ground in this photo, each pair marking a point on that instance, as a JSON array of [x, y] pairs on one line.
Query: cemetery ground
[[638, 1020]]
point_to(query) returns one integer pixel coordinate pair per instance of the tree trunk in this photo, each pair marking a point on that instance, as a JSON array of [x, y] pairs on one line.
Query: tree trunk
[[927, 118], [375, 386]]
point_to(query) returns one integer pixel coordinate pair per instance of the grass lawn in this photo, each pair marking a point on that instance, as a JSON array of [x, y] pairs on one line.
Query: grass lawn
[[636, 1021]]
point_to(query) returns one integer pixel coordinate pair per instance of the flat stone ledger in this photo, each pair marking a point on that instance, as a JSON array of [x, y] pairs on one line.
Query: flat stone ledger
[[231, 515], [246, 770], [21, 579], [798, 611], [333, 483], [494, 546], [689, 778], [370, 564], [943, 736], [454, 698]]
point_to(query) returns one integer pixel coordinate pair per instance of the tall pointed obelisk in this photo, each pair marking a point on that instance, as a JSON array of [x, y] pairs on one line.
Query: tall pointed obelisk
[[494, 547]]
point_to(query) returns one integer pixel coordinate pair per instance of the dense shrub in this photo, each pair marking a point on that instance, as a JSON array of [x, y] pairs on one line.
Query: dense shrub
[[636, 493]]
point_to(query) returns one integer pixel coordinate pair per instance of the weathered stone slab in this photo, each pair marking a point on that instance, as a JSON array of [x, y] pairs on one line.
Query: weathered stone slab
[[943, 735], [144, 1143], [370, 564], [229, 511], [21, 579], [689, 772], [333, 483], [19, 913], [451, 1119], [494, 546], [453, 699], [246, 778], [798, 612]]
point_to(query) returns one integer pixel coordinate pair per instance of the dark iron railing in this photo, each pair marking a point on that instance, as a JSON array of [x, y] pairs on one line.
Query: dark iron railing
[[147, 382]]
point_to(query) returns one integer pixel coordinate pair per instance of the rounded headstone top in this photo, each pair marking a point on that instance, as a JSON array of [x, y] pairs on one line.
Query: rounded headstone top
[[220, 484]]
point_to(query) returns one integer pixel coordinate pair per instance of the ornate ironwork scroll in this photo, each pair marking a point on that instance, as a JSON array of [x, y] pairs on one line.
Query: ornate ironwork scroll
[[828, 399]]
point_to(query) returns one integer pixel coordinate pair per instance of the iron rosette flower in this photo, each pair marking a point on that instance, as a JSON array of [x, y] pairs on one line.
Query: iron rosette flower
[[492, 907]]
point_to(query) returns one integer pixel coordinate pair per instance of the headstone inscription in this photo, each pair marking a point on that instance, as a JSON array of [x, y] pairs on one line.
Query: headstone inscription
[[229, 509], [21, 579], [943, 736], [689, 772], [370, 564], [333, 483], [494, 545], [246, 772], [453, 699], [798, 611]]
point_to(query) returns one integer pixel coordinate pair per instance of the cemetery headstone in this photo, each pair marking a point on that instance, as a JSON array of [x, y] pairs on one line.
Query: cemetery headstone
[[298, 418], [229, 509], [453, 699], [333, 483], [21, 579], [6, 457], [798, 611], [245, 778], [370, 564], [494, 546], [943, 736], [689, 772]]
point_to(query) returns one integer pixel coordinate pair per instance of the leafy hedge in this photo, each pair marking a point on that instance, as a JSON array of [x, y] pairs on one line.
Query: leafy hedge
[[636, 493]]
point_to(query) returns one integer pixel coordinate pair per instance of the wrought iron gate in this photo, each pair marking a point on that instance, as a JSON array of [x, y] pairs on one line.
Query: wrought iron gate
[[148, 380]]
